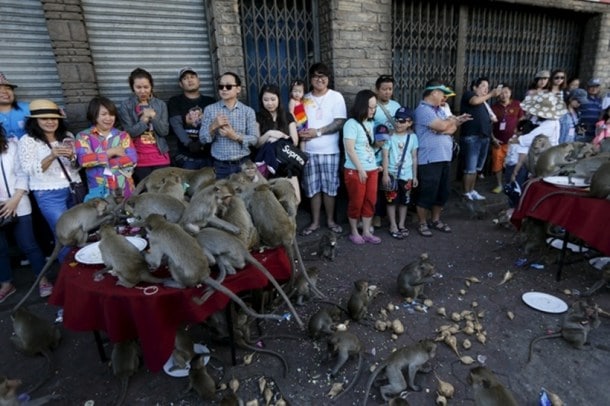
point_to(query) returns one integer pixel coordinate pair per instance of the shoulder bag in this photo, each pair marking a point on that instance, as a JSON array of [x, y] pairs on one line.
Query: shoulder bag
[[78, 190], [290, 159], [5, 221], [394, 179]]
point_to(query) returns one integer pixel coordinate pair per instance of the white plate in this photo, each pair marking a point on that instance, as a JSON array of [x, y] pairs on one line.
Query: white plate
[[558, 243], [564, 181], [544, 302], [181, 373], [91, 254], [599, 262]]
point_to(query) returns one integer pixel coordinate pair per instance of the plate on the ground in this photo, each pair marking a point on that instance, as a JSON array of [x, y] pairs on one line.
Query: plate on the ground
[[91, 254], [599, 262], [544, 302], [181, 373], [565, 181], [558, 243]]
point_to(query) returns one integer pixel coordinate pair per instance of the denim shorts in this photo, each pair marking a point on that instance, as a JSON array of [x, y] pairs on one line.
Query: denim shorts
[[474, 152]]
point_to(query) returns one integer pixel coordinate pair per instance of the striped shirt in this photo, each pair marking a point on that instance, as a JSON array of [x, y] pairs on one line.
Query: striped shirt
[[433, 147]]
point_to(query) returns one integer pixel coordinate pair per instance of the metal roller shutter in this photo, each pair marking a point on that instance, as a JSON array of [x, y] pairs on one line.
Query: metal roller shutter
[[157, 35], [26, 55]]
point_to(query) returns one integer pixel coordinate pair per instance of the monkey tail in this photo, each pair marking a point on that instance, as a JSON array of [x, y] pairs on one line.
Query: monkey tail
[[269, 352], [45, 377], [123, 395], [279, 289], [337, 305], [44, 270], [535, 340], [296, 252], [354, 379], [371, 380]]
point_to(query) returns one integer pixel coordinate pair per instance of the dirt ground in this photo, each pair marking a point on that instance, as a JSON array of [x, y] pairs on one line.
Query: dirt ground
[[476, 248]]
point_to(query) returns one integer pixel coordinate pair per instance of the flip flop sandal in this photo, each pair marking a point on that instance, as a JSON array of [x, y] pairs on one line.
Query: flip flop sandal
[[336, 228], [397, 234], [4, 295], [437, 225], [424, 231], [308, 231], [404, 232]]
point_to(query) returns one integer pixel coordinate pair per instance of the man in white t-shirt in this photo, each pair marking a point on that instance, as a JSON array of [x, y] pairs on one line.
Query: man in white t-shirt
[[326, 114]]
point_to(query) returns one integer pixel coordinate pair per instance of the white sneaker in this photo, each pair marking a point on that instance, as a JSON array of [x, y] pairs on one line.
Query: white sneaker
[[468, 196], [476, 196]]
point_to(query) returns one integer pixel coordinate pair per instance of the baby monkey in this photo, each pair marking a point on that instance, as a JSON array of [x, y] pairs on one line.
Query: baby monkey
[[488, 390], [358, 303], [414, 276], [327, 249]]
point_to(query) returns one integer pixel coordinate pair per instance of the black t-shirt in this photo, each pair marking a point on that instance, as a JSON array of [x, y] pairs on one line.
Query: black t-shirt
[[180, 106], [481, 122]]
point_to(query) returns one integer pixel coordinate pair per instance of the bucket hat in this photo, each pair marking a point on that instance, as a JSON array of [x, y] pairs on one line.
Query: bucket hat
[[42, 108], [542, 74], [544, 105], [4, 81]]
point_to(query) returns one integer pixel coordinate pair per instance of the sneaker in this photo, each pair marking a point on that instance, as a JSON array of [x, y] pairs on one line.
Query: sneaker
[[468, 196], [45, 289], [497, 190], [476, 196], [5, 294]]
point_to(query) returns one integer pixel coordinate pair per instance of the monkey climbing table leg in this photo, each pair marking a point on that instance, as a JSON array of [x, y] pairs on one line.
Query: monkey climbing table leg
[[562, 254], [100, 346]]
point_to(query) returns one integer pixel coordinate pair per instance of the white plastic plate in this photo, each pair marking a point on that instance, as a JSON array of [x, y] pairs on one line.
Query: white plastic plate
[[181, 373], [599, 262], [564, 181], [558, 243], [544, 302], [91, 255]]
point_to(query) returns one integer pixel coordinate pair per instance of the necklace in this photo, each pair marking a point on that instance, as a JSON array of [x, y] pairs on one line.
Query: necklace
[[319, 100]]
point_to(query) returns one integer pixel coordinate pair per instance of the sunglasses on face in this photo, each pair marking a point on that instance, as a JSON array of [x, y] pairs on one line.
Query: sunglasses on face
[[403, 120], [559, 77], [226, 87]]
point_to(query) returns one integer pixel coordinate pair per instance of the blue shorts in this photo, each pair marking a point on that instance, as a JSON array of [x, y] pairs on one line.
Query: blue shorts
[[474, 152]]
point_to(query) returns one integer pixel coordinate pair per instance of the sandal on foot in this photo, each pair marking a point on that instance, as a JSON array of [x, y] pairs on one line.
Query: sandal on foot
[[308, 231], [356, 239], [404, 232], [397, 234], [437, 225], [45, 289], [4, 295], [371, 239], [336, 228], [424, 231]]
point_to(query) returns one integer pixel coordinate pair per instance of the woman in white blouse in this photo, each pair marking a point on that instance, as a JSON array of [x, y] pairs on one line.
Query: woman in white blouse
[[43, 151], [14, 201]]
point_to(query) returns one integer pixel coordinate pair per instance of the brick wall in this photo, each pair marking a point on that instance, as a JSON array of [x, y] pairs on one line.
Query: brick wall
[[69, 39]]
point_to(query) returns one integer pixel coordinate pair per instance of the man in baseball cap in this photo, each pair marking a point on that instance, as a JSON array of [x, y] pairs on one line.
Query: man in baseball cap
[[185, 114], [12, 113], [590, 110]]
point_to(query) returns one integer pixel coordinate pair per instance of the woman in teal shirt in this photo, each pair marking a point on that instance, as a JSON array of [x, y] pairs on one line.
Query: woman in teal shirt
[[361, 170]]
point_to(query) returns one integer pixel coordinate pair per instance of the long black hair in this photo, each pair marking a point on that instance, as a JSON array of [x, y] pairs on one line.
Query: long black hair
[[3, 140], [33, 130], [360, 108], [264, 118]]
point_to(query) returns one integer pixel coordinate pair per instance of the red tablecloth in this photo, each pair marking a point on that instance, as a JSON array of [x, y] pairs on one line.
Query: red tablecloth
[[125, 313], [585, 217]]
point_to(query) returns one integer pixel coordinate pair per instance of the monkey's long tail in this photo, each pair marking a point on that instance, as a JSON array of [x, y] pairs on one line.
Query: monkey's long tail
[[45, 377], [297, 253], [123, 395], [269, 352], [535, 340], [354, 379]]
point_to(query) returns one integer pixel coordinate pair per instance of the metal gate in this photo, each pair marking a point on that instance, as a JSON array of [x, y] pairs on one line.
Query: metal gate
[[279, 45], [457, 43]]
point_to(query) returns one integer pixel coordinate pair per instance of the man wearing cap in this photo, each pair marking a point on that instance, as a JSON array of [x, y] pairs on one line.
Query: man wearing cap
[[12, 113], [569, 123], [509, 112], [185, 114], [434, 132], [590, 111]]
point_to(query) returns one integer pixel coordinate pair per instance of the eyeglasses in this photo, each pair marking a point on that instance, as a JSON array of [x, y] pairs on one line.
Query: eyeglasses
[[319, 77], [226, 87], [559, 77], [403, 120]]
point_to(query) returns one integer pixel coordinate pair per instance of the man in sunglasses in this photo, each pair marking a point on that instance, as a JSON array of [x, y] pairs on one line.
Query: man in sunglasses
[[230, 126]]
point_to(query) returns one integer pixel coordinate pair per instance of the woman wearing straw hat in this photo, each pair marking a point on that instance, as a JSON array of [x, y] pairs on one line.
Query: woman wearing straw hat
[[47, 155], [14, 201]]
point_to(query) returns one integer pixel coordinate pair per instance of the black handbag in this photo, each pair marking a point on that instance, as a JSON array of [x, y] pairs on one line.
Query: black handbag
[[290, 159], [5, 221]]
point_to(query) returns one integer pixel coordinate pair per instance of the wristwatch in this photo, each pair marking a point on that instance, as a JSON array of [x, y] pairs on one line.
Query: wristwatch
[[318, 133]]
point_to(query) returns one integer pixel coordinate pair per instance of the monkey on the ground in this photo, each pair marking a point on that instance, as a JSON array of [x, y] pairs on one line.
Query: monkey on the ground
[[125, 360], [200, 380], [345, 344], [230, 254], [323, 321], [233, 210], [413, 277], [184, 350], [358, 303], [142, 205], [302, 286], [123, 259], [488, 390], [581, 318], [187, 263], [412, 357], [34, 335], [231, 399], [605, 279], [327, 248], [398, 401], [204, 208], [8, 394], [72, 229]]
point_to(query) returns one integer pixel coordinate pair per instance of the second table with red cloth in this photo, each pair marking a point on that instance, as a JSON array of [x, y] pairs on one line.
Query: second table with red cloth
[[585, 217], [153, 318]]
